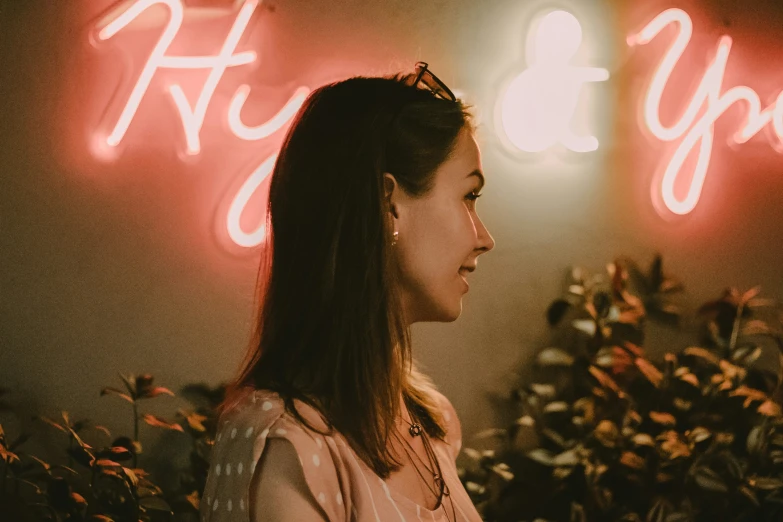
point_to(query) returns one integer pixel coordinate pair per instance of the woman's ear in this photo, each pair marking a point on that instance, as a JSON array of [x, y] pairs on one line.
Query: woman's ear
[[391, 191]]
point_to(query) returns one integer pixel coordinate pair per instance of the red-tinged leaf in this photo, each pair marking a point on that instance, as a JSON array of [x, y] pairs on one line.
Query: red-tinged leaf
[[159, 422], [82, 456], [703, 354], [107, 463], [590, 307], [103, 430], [194, 499], [670, 309], [79, 440], [632, 460], [770, 409], [196, 421], [8, 456], [750, 294], [154, 392], [605, 380], [44, 465], [78, 499], [667, 419], [65, 468], [650, 371], [670, 286], [115, 391], [630, 316], [116, 453], [635, 350], [50, 422], [100, 518], [760, 302], [751, 395], [691, 379]]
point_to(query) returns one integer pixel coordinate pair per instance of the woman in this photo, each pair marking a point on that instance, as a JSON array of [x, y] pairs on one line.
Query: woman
[[372, 227]]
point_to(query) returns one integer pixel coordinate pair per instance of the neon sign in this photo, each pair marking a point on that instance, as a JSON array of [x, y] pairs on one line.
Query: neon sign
[[192, 116], [538, 105], [692, 129]]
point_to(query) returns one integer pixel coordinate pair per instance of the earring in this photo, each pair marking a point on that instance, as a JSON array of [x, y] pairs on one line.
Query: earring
[[396, 235]]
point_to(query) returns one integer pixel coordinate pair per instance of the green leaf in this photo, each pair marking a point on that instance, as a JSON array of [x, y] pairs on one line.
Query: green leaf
[[554, 357], [709, 480], [766, 483], [156, 504], [542, 456]]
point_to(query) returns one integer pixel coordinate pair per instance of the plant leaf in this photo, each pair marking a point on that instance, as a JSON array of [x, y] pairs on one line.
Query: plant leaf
[[109, 390], [708, 479], [650, 371], [554, 356], [159, 422]]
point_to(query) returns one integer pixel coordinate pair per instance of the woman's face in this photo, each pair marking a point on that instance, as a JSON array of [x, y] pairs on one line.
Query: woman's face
[[440, 233]]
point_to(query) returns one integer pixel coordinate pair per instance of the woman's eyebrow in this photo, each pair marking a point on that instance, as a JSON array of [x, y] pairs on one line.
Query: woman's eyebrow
[[479, 175]]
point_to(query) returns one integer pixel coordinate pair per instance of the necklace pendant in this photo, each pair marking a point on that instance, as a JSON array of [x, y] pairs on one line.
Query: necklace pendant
[[415, 429]]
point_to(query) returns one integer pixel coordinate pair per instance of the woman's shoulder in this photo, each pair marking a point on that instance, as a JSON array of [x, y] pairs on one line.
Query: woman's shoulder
[[245, 429], [451, 420], [262, 408]]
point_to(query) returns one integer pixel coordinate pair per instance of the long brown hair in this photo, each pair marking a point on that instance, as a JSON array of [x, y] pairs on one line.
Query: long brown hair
[[330, 329]]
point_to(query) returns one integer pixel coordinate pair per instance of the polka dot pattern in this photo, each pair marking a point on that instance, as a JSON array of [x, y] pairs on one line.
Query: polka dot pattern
[[241, 440]]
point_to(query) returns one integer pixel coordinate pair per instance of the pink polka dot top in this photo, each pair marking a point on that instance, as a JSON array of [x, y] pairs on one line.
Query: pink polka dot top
[[341, 483]]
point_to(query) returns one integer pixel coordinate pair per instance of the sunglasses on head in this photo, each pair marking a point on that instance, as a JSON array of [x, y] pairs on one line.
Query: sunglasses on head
[[425, 77]]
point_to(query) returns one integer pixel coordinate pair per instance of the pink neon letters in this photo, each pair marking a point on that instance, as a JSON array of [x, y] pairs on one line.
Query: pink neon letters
[[192, 117], [688, 128]]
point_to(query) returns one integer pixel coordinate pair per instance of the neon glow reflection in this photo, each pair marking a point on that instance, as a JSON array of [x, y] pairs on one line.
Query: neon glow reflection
[[192, 116], [538, 105], [688, 129]]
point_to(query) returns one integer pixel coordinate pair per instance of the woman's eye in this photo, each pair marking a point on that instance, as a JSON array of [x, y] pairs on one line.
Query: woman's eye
[[473, 196]]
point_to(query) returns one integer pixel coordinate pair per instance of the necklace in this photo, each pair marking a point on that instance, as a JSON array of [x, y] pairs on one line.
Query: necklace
[[437, 476], [415, 427]]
